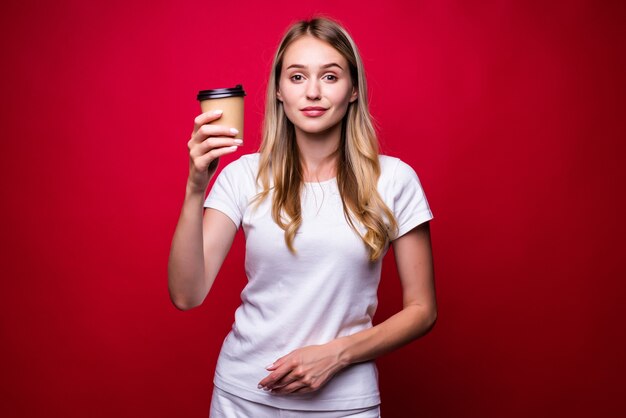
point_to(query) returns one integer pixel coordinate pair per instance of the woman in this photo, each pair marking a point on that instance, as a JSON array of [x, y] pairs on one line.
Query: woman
[[319, 208]]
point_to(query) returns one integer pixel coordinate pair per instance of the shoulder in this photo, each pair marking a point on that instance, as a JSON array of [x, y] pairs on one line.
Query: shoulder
[[397, 179], [243, 167], [246, 160], [402, 191], [393, 169]]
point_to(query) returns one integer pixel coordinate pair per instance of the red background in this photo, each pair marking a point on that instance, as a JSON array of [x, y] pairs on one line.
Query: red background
[[512, 113]]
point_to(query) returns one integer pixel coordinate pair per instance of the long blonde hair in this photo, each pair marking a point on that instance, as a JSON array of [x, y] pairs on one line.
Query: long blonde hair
[[358, 168]]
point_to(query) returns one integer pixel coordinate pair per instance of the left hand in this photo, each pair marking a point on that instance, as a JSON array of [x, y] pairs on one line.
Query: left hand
[[304, 370]]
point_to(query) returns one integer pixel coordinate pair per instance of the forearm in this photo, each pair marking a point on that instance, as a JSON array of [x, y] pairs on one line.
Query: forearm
[[186, 276], [413, 256], [405, 326]]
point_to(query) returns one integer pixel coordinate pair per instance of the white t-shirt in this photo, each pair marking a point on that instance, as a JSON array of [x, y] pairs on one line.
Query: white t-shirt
[[326, 290]]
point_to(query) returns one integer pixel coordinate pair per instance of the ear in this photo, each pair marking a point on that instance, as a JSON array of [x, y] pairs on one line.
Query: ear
[[354, 95], [279, 96]]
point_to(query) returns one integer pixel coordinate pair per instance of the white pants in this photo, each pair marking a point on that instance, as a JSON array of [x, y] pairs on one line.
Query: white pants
[[227, 405]]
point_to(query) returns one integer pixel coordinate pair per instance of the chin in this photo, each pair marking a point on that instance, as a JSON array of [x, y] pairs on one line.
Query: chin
[[315, 127]]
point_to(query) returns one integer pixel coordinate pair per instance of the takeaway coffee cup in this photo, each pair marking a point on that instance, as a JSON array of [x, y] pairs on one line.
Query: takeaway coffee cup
[[230, 101]]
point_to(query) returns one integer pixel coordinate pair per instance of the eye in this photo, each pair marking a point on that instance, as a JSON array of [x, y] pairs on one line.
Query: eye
[[296, 77], [331, 77]]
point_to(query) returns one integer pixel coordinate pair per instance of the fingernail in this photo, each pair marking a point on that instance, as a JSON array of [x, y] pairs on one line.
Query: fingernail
[[269, 365], [234, 131], [218, 112], [260, 387], [238, 141]]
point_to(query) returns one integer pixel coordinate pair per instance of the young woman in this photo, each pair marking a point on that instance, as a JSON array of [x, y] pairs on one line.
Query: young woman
[[319, 208]]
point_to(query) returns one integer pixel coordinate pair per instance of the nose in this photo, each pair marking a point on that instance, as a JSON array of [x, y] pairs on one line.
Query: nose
[[313, 91]]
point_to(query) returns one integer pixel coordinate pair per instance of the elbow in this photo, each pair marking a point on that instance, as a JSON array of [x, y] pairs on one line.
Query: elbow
[[184, 296], [432, 318], [183, 303], [426, 320], [184, 306]]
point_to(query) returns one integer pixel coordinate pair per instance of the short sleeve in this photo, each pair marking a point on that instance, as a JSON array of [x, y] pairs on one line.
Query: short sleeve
[[410, 206], [226, 193]]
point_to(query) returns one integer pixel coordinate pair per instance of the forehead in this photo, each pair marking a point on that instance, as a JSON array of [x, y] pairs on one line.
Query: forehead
[[312, 52]]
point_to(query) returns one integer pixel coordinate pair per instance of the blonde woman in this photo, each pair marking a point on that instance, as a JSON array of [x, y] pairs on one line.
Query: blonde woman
[[319, 207]]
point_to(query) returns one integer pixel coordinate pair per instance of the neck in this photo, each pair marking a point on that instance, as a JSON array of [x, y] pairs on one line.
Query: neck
[[318, 153]]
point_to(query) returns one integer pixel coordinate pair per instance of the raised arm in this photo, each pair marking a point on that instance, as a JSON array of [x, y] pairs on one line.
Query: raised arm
[[201, 241]]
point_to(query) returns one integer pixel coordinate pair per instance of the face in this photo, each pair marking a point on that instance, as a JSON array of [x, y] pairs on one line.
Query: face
[[315, 86]]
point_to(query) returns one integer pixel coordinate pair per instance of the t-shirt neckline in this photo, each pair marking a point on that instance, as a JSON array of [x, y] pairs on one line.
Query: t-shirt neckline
[[314, 183]]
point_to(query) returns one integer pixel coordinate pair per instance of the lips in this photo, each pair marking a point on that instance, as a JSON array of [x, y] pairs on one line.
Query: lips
[[313, 111]]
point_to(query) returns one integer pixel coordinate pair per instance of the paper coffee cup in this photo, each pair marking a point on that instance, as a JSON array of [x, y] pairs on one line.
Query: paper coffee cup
[[230, 101]]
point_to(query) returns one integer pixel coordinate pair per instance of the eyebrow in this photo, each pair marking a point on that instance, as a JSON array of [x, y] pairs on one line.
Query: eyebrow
[[332, 64]]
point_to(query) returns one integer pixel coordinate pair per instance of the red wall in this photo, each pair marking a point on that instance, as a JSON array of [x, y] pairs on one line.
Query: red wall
[[512, 113]]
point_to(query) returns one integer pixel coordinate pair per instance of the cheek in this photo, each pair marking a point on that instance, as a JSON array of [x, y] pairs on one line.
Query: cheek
[[286, 96], [282, 91], [343, 100], [287, 102], [343, 95]]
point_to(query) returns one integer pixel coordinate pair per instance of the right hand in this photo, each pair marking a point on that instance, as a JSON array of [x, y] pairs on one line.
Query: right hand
[[207, 144]]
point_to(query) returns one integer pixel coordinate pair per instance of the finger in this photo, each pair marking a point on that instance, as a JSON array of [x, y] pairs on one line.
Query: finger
[[202, 163], [290, 388], [285, 381], [279, 362], [274, 377], [204, 118], [197, 150], [295, 374], [303, 389], [208, 131]]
